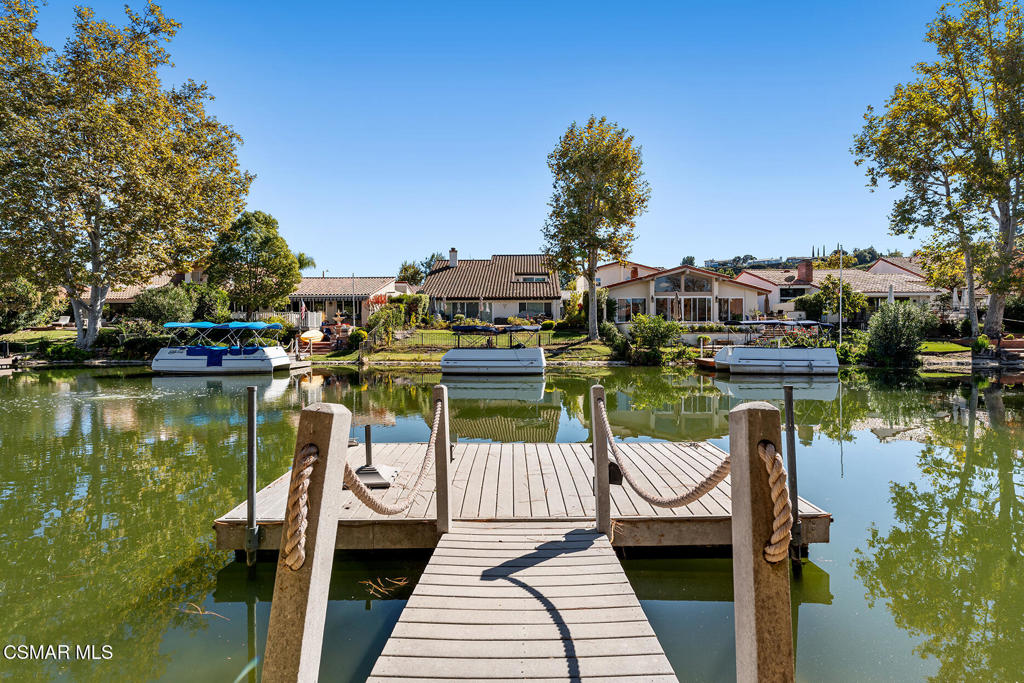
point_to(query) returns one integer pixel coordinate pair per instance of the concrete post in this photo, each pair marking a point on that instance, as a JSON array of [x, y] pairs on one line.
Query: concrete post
[[764, 634], [442, 455], [299, 608], [599, 447]]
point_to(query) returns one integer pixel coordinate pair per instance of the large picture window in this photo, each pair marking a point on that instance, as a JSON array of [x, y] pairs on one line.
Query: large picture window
[[687, 309], [470, 309], [730, 309], [668, 283], [533, 309], [694, 283], [627, 308], [790, 293]]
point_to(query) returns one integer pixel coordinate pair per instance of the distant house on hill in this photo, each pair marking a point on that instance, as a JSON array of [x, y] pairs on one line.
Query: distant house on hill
[[493, 289]]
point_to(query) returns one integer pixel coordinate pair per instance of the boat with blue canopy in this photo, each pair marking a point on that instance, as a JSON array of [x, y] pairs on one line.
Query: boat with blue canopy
[[207, 348]]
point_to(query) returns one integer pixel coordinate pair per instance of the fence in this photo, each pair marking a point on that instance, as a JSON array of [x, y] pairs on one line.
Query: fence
[[446, 339]]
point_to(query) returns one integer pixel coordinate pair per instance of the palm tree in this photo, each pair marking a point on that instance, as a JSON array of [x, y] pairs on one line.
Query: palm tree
[[305, 260]]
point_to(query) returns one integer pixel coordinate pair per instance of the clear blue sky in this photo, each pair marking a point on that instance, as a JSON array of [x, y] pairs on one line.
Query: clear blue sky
[[383, 131]]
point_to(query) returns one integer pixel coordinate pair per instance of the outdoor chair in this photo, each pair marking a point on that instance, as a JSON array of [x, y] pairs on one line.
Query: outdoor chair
[[62, 321]]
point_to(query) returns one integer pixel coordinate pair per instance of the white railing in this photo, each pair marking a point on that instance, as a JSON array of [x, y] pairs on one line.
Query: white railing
[[311, 319]]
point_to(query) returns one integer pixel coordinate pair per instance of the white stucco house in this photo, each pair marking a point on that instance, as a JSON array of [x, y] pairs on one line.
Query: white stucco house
[[687, 294], [493, 289]]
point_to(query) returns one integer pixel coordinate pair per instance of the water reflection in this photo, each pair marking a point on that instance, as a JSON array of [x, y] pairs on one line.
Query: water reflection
[[109, 481]]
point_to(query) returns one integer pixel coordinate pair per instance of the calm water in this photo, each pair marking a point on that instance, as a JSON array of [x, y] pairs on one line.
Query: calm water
[[109, 481]]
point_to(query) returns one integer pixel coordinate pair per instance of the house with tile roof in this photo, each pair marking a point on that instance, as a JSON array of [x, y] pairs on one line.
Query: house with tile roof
[[493, 289], [785, 284], [914, 265], [334, 297], [687, 294]]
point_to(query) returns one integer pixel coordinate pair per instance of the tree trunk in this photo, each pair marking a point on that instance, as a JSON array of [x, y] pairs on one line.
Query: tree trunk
[[972, 305], [997, 300], [592, 280]]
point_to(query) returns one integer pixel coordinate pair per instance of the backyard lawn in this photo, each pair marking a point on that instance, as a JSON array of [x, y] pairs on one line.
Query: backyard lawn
[[942, 347], [25, 340]]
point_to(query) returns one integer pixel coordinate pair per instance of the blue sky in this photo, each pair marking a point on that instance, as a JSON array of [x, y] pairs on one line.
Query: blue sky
[[384, 131]]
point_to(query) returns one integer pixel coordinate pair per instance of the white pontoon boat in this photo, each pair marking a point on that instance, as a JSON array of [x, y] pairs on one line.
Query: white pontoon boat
[[205, 348], [490, 359]]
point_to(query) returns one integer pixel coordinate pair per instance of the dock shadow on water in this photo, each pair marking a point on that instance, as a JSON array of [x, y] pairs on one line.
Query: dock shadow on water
[[575, 541]]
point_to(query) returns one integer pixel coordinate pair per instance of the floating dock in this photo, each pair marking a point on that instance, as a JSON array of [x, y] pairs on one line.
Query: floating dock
[[522, 482]]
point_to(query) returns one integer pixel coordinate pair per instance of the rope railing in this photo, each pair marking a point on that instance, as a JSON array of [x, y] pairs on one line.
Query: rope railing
[[782, 524], [298, 503]]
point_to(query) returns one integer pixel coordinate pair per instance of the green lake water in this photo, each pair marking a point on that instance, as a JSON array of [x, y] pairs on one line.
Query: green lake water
[[110, 479]]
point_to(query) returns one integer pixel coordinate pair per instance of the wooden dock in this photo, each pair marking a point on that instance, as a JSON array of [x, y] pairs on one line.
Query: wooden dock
[[522, 482], [518, 600], [523, 582]]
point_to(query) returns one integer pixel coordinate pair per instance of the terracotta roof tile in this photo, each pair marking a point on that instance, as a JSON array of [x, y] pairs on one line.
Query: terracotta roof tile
[[126, 295], [860, 280], [339, 286], [492, 278]]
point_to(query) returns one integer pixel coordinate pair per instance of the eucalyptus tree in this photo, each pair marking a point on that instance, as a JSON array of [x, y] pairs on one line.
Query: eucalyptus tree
[[951, 140], [106, 177], [599, 192]]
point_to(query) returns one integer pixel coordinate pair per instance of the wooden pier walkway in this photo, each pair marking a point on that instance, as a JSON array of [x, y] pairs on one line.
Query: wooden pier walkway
[[523, 600], [523, 582], [520, 482]]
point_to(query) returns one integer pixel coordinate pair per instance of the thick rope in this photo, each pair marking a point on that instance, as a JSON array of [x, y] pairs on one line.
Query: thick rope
[[782, 525], [298, 506], [692, 495], [363, 493]]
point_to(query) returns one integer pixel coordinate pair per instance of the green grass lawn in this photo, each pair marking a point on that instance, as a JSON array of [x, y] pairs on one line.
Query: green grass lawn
[[26, 340], [942, 347], [589, 351]]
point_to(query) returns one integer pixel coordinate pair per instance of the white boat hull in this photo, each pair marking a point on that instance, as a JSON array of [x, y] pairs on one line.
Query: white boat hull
[[202, 360], [493, 362], [760, 360]]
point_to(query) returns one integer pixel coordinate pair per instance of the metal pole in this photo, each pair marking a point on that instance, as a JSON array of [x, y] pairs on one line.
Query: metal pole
[[840, 294], [795, 543], [252, 532], [368, 443]]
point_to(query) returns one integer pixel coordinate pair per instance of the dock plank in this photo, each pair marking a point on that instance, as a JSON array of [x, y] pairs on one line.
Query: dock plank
[[527, 609], [540, 485]]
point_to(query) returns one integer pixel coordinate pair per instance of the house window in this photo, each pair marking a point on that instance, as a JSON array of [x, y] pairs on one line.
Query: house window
[[730, 309], [597, 281], [790, 293], [534, 309], [696, 309], [470, 309], [668, 283], [627, 308], [693, 283], [531, 277]]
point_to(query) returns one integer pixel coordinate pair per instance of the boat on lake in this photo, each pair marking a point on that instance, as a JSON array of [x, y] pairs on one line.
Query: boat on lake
[[490, 359], [773, 360], [234, 348]]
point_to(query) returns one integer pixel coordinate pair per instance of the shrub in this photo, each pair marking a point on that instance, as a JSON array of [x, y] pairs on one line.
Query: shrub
[[703, 338], [811, 304], [355, 338], [288, 332], [547, 325], [653, 331], [23, 305], [567, 324], [414, 306], [947, 328], [850, 354], [163, 305], [513, 320], [65, 350], [387, 319], [1009, 337], [965, 327], [930, 323], [608, 331], [621, 348], [895, 334], [980, 344], [210, 302]]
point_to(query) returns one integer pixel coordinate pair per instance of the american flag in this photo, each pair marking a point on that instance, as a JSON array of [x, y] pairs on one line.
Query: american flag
[[302, 309]]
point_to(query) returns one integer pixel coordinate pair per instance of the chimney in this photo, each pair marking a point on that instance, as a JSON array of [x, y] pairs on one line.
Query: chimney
[[453, 257], [805, 271]]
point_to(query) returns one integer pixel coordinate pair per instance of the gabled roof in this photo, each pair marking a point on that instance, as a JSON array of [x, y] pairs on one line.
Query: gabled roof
[[911, 264], [491, 278], [629, 263], [694, 269], [312, 287], [860, 280], [126, 295]]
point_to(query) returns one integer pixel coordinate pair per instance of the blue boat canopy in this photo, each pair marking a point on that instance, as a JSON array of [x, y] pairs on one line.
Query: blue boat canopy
[[235, 325]]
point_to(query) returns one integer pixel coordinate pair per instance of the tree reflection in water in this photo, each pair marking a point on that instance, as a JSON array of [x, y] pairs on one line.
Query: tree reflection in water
[[950, 568]]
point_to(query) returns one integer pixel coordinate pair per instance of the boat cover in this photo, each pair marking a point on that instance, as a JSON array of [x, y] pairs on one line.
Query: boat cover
[[234, 325]]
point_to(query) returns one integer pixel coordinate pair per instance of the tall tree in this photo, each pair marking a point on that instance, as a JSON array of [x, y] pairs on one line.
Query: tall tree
[[106, 178], [952, 141], [599, 191], [253, 263], [411, 273], [427, 264], [304, 260], [688, 261]]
